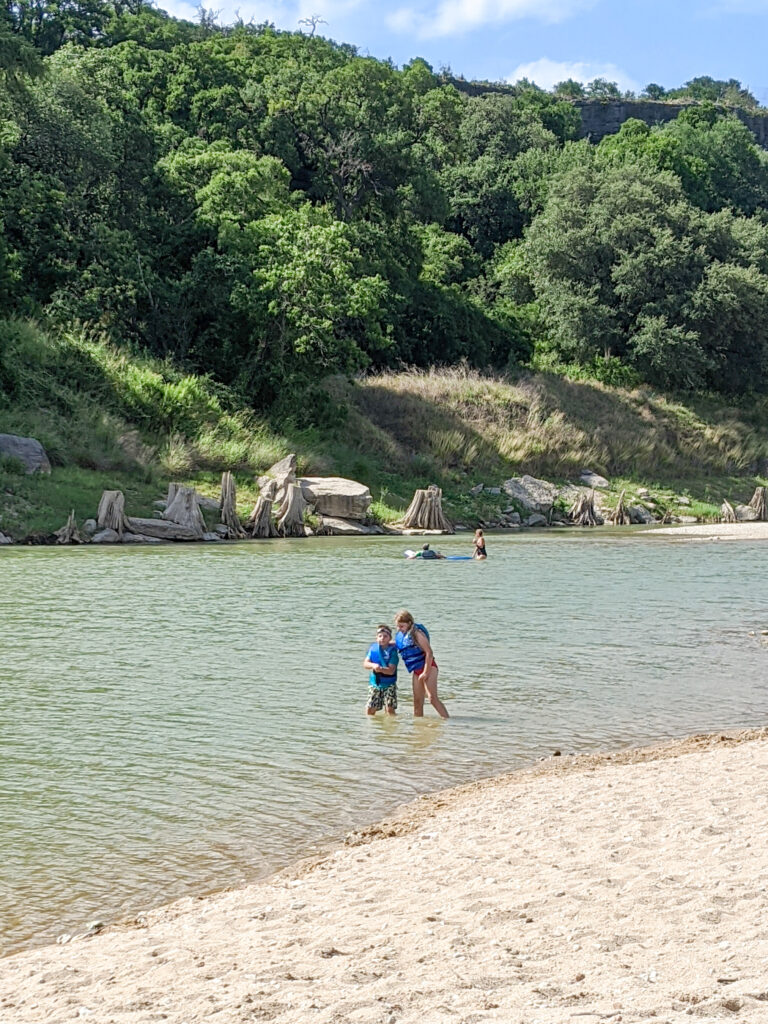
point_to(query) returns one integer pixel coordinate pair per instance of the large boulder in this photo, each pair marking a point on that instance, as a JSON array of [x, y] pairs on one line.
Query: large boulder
[[334, 496], [4, 539], [336, 527], [640, 516], [531, 495], [29, 452], [589, 478]]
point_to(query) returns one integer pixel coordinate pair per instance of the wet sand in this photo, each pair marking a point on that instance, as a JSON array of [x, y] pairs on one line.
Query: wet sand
[[622, 887], [715, 531]]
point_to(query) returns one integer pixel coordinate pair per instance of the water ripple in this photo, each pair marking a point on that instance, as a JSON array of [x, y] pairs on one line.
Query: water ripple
[[180, 719]]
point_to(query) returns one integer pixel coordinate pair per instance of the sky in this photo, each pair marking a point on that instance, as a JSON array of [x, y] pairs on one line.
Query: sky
[[631, 42]]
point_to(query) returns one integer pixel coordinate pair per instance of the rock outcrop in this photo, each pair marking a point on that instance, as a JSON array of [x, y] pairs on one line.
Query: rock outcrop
[[27, 450], [335, 496], [590, 479], [531, 495]]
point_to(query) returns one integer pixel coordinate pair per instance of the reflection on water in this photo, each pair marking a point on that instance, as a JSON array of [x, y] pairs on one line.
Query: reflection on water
[[178, 719]]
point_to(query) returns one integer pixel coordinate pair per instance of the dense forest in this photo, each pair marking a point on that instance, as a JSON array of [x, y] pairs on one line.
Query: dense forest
[[270, 208]]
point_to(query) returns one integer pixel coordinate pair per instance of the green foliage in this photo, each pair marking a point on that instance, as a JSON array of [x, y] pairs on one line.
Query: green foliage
[[265, 209], [712, 90], [624, 266]]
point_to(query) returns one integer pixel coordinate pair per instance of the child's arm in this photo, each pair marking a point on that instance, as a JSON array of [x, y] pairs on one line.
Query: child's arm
[[424, 644], [391, 668]]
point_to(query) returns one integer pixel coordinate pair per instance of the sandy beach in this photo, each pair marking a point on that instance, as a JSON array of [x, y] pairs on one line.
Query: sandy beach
[[623, 887], [714, 531]]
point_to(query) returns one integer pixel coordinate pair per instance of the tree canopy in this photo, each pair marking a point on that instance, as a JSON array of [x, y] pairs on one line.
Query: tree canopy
[[270, 207]]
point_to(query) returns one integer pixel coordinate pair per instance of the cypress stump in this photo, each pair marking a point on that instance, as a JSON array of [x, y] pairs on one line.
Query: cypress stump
[[426, 512]]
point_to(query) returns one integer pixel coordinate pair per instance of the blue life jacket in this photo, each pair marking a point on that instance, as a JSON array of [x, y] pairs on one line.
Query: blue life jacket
[[385, 657], [413, 656]]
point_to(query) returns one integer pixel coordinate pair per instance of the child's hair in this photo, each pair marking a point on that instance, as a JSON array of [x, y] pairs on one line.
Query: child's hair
[[405, 616], [384, 626]]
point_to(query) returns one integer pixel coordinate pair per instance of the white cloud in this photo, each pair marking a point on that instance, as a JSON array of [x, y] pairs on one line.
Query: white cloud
[[452, 17], [285, 14], [546, 73]]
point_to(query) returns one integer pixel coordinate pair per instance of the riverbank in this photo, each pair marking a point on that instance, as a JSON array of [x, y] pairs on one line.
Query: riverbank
[[715, 531], [611, 886], [113, 420]]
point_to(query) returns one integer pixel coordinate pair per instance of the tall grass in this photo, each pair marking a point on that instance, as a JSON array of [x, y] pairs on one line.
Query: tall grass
[[547, 425], [110, 418]]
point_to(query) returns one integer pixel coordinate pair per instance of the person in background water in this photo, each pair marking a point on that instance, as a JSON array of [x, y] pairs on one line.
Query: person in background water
[[479, 543], [427, 552], [412, 640], [382, 661]]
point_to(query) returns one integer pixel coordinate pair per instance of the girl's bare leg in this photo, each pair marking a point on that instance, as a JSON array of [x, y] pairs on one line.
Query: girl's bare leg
[[429, 683], [419, 694]]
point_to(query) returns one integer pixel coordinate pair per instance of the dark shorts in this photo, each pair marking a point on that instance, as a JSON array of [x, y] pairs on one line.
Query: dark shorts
[[382, 697]]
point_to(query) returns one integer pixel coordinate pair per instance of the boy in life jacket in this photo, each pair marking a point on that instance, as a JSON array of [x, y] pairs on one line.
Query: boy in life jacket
[[381, 661]]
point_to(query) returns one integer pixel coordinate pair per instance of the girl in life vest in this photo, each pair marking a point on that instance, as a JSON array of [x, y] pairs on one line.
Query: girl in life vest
[[412, 640]]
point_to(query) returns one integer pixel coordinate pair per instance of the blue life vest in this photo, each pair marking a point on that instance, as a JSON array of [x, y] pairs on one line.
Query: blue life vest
[[413, 656], [385, 657]]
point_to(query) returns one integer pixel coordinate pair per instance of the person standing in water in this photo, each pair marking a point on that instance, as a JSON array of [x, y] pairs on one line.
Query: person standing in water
[[381, 661], [412, 641], [479, 543]]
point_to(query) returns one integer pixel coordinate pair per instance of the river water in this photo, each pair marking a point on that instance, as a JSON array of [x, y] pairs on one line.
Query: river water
[[178, 719]]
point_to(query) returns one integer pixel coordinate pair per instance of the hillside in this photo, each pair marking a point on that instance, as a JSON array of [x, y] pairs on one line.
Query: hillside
[[109, 420]]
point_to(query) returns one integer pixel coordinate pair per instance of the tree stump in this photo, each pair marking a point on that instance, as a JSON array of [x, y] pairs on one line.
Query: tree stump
[[426, 512], [260, 520], [183, 509], [268, 489], [111, 514], [620, 515], [162, 529], [758, 503], [582, 512], [69, 534], [727, 514], [229, 516], [290, 516]]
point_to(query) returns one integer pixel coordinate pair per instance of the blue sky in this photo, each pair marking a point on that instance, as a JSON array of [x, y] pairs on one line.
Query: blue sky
[[633, 42]]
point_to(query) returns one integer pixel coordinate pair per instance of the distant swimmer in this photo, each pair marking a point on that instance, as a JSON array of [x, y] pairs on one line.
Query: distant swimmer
[[425, 553], [479, 543], [412, 640]]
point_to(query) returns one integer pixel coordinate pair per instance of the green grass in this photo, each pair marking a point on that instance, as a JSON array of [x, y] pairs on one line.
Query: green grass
[[109, 419]]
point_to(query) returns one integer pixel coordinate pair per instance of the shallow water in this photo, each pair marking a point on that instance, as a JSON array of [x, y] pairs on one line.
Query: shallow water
[[179, 719]]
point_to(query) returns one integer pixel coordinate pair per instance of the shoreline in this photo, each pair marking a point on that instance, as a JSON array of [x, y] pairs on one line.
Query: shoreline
[[690, 532], [573, 887], [714, 531]]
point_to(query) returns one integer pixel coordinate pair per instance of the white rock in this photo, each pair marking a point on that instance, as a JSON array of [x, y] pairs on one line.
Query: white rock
[[335, 526], [335, 496], [591, 479], [530, 494]]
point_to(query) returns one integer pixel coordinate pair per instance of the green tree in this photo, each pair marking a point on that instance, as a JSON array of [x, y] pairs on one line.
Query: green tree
[[570, 89]]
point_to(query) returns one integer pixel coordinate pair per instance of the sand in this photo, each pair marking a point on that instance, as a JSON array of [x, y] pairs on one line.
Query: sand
[[625, 887], [714, 531]]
